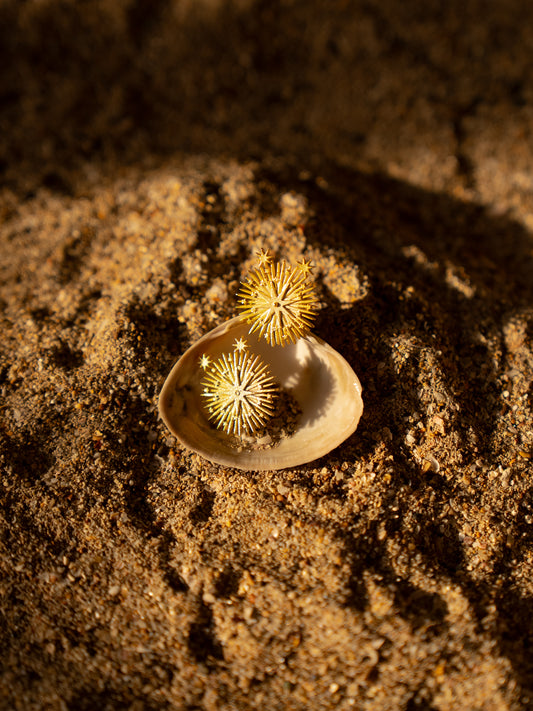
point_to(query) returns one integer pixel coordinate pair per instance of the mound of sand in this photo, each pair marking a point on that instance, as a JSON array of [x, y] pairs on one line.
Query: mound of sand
[[148, 150]]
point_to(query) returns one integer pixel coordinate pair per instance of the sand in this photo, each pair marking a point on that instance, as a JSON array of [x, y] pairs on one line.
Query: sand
[[147, 151]]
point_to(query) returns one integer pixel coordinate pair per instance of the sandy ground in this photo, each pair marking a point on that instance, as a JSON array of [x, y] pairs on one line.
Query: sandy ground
[[147, 150]]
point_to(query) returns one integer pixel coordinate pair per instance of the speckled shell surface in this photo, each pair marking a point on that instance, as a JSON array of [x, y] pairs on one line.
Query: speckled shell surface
[[320, 379]]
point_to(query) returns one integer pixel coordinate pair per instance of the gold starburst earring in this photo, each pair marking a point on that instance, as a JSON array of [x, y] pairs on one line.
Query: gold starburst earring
[[238, 390], [278, 301]]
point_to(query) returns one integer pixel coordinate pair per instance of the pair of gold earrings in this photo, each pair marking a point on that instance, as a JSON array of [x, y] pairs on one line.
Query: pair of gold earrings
[[280, 303]]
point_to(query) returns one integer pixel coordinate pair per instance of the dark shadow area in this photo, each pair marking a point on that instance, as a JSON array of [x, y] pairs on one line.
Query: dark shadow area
[[102, 82], [30, 455], [314, 383], [420, 607], [515, 634], [113, 696], [170, 574], [155, 337], [421, 701], [227, 583], [202, 511], [211, 225], [202, 641], [73, 253], [63, 356]]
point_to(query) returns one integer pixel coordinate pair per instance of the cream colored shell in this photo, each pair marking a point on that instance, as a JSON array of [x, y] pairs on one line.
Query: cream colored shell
[[325, 386]]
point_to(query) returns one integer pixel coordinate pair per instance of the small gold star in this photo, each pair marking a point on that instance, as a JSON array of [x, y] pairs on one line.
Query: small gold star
[[240, 344], [263, 257], [205, 361], [305, 266]]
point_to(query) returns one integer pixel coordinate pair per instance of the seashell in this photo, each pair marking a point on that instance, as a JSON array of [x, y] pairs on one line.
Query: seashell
[[322, 382]]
